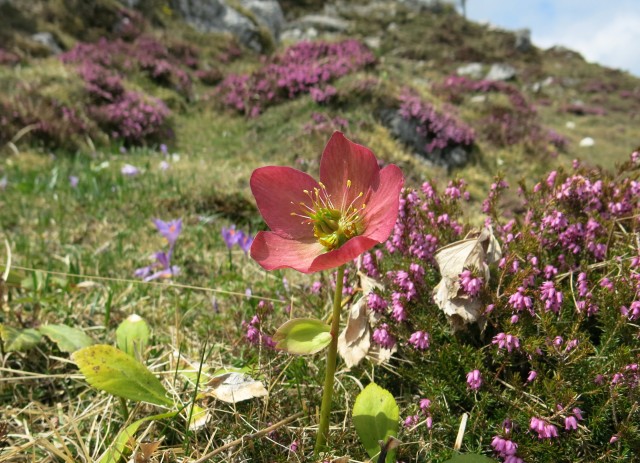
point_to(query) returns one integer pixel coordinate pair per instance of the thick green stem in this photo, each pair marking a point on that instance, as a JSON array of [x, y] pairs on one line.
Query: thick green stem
[[332, 354]]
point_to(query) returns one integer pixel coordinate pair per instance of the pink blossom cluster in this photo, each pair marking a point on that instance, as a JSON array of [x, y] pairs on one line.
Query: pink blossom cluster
[[306, 67]]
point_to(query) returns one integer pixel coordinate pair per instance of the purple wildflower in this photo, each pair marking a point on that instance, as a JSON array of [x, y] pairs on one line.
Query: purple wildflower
[[382, 336], [170, 230], [73, 181], [129, 170]]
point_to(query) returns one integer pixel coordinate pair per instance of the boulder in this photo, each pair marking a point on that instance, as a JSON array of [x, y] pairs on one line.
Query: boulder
[[407, 132], [522, 40], [501, 71], [322, 23], [473, 70], [47, 39], [221, 16]]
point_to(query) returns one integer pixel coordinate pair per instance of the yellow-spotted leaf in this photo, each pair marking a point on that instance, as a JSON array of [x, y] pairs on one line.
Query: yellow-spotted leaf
[[303, 336], [111, 370]]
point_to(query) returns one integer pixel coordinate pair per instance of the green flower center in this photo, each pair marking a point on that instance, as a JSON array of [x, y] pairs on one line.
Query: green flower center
[[332, 226]]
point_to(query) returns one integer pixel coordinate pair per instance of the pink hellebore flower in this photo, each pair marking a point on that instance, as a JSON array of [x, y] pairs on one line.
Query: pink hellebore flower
[[322, 225]]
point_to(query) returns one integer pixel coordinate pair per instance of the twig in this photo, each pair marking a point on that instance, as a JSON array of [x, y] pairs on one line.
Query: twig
[[246, 437]]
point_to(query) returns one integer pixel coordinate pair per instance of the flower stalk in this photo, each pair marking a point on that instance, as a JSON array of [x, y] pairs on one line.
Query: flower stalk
[[332, 354]]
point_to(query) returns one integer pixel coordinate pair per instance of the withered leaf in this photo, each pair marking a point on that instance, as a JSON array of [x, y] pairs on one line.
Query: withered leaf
[[354, 341], [235, 387]]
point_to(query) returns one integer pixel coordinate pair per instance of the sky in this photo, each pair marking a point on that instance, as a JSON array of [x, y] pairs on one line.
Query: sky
[[605, 32]]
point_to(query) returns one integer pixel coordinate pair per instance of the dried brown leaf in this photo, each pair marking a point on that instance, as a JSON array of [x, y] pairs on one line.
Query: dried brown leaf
[[235, 387], [354, 341]]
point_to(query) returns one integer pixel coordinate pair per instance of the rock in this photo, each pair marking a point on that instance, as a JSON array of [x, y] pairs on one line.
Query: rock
[[47, 39], [406, 131], [523, 39], [218, 16], [501, 71], [587, 142], [373, 42], [473, 70], [478, 99], [322, 23]]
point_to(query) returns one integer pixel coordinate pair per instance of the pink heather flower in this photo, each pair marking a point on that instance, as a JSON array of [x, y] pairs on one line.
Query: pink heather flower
[[506, 341], [429, 422], [532, 376], [420, 340], [322, 225], [411, 420], [544, 429], [474, 380], [129, 170], [570, 423], [425, 404], [578, 413], [316, 287], [376, 303], [520, 302], [382, 336], [614, 439], [552, 298], [633, 312], [294, 446], [470, 284], [513, 459], [557, 341]]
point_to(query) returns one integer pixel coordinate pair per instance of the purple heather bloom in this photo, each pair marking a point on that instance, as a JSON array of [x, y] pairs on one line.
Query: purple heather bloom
[[73, 181], [425, 404], [570, 423], [419, 340], [474, 380], [294, 446], [170, 230], [411, 420], [506, 341], [129, 170], [382, 336], [544, 429], [614, 439], [576, 411], [470, 284], [532, 376]]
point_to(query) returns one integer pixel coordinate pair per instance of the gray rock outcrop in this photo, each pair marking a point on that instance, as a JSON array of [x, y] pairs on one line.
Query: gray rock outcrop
[[221, 16]]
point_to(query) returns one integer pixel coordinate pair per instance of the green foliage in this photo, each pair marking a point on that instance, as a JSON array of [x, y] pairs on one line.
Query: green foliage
[[132, 336], [19, 340], [375, 418], [113, 371], [303, 336], [69, 339], [470, 458]]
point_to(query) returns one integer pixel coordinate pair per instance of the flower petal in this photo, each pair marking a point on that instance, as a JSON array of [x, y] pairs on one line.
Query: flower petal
[[382, 209], [344, 160], [272, 251], [345, 253], [278, 192]]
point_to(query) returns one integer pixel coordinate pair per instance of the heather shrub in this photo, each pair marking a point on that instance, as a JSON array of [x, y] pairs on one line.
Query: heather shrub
[[134, 118], [555, 346], [302, 68]]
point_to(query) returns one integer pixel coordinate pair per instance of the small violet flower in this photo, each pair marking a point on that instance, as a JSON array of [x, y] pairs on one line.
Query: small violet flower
[[382, 336], [129, 170], [170, 230], [73, 181]]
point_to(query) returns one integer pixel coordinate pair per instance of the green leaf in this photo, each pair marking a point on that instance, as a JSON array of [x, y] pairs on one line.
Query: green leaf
[[132, 336], [68, 339], [14, 278], [111, 370], [470, 458], [19, 340], [115, 452], [303, 336], [375, 417]]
